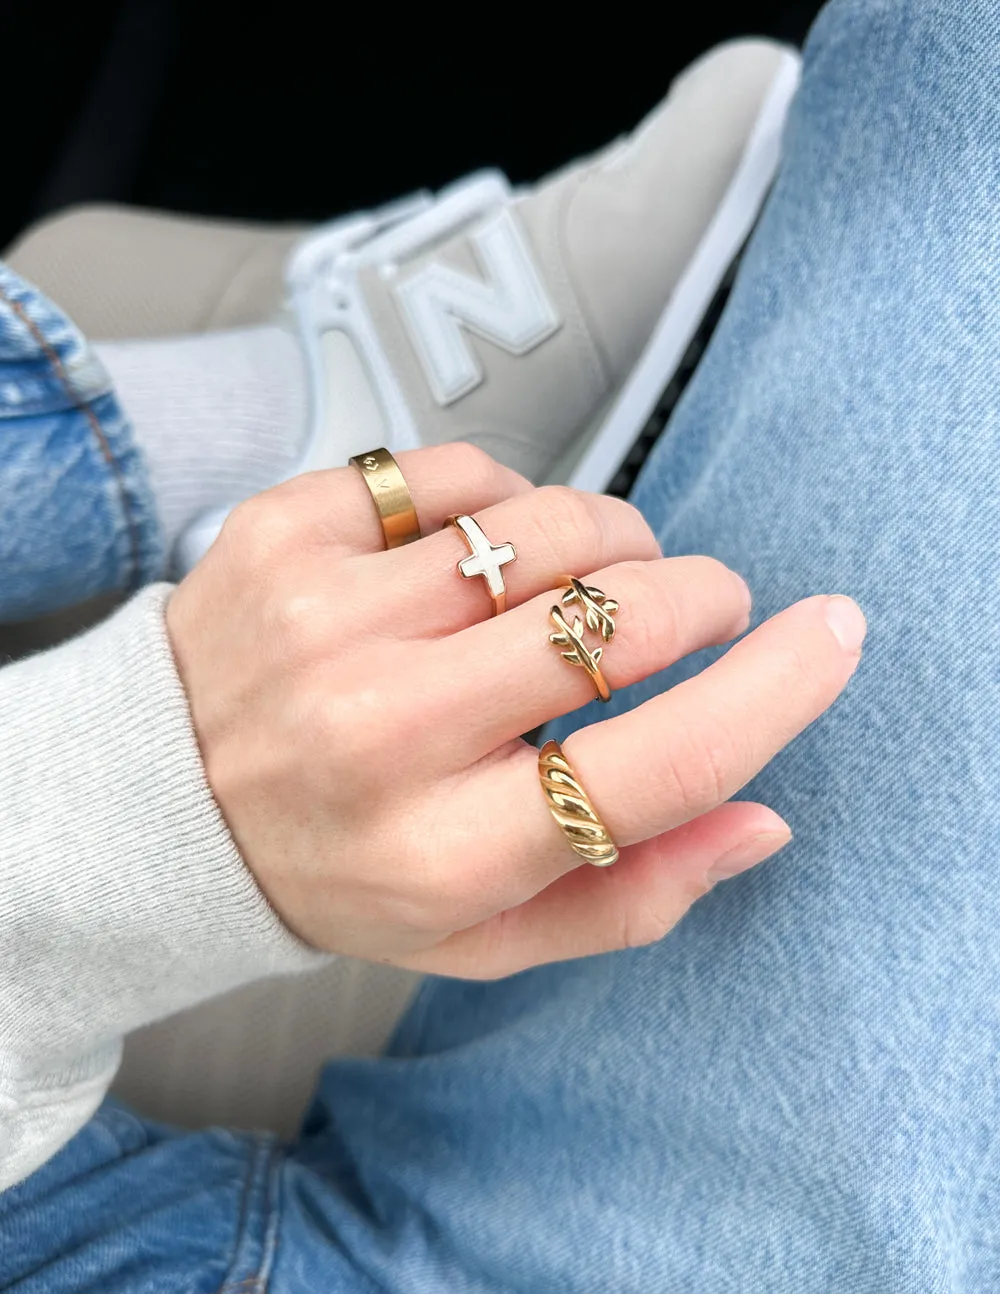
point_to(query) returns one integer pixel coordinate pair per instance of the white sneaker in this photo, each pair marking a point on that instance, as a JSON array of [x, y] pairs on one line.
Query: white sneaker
[[542, 324]]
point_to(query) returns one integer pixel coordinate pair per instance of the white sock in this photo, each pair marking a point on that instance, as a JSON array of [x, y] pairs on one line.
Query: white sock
[[219, 416]]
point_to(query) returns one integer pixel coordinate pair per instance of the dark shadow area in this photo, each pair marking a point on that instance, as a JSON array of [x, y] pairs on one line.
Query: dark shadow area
[[296, 110]]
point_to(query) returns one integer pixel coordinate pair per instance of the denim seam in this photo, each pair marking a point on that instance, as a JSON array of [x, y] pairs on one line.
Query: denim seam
[[228, 1286], [93, 421], [273, 1201], [263, 1169]]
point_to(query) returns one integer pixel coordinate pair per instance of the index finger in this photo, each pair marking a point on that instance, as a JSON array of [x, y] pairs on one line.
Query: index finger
[[691, 748], [669, 760], [441, 479]]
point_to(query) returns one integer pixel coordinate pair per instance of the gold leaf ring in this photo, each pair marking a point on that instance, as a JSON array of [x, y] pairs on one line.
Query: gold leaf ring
[[598, 617], [572, 808]]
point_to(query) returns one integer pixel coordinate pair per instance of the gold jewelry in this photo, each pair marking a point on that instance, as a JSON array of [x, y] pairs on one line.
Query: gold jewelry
[[598, 611], [484, 559], [396, 513], [572, 808]]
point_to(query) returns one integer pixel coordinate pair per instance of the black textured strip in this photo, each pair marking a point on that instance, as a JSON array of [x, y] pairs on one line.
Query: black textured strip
[[624, 479]]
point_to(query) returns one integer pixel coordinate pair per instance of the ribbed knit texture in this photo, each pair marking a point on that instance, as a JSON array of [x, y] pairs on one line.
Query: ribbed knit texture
[[219, 416], [124, 898]]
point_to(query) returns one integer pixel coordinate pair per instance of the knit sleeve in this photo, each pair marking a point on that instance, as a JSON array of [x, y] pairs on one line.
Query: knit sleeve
[[123, 897]]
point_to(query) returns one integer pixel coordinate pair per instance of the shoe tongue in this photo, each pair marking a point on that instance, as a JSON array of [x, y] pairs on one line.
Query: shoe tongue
[[356, 399], [347, 416]]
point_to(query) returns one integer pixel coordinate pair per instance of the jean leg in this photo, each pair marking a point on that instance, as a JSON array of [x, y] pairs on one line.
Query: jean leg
[[131, 1207], [798, 1089], [76, 511]]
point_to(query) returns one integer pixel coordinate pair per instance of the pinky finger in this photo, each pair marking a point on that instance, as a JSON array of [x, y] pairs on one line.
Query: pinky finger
[[635, 902]]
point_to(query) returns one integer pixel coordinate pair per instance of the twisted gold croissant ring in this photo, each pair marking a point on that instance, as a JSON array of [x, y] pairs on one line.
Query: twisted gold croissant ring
[[572, 809]]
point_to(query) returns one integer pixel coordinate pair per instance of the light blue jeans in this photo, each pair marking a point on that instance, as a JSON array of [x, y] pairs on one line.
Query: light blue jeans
[[799, 1089], [76, 511]]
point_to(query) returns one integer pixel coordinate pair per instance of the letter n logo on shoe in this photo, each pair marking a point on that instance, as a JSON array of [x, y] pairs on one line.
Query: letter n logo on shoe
[[508, 307]]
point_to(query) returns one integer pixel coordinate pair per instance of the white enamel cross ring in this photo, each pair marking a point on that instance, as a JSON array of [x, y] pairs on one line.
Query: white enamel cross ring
[[484, 559]]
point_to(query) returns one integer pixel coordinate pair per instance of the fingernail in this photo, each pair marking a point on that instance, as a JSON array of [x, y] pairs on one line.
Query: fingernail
[[747, 854], [847, 621]]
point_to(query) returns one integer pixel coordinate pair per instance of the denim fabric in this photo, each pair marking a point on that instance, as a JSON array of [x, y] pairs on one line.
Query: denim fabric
[[76, 512], [131, 1208], [798, 1089]]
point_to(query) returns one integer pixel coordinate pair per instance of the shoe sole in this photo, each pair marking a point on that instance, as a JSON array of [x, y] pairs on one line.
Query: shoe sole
[[604, 457]]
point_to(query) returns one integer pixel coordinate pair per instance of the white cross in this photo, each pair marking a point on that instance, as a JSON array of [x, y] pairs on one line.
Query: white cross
[[486, 559]]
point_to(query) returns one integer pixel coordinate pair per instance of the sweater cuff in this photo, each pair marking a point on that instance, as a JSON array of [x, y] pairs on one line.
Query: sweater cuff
[[123, 897]]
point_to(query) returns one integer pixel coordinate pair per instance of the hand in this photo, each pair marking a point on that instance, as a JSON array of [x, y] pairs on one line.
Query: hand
[[359, 717]]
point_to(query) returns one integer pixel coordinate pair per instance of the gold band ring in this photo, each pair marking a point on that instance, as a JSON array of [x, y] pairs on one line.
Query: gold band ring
[[572, 808], [396, 513], [598, 616], [484, 559]]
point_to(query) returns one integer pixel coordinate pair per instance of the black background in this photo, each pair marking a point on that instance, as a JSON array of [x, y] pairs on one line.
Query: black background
[[292, 110]]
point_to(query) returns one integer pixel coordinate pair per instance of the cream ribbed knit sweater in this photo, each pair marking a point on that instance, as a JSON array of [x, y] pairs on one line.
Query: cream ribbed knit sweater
[[122, 895]]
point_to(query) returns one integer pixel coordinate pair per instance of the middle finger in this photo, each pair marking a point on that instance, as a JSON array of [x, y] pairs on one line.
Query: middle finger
[[553, 530]]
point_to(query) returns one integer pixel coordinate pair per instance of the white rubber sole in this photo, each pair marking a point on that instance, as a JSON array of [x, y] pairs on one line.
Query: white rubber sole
[[729, 229]]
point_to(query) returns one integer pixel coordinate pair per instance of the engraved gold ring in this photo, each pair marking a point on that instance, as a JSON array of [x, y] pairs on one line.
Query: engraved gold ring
[[396, 512]]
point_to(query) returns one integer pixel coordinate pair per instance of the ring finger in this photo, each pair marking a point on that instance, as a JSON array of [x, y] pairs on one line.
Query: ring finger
[[508, 674]]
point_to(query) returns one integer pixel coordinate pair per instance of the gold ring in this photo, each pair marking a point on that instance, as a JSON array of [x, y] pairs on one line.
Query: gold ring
[[573, 809], [396, 513], [598, 616], [484, 559]]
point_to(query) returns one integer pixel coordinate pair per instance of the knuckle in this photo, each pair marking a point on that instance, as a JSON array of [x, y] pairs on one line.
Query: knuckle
[[670, 607], [439, 911], [435, 899], [347, 730], [242, 520], [644, 924], [567, 518], [651, 632], [354, 713], [473, 893], [710, 571], [257, 530], [630, 524], [642, 927], [299, 624], [796, 666], [652, 624], [463, 461], [360, 721], [448, 890], [692, 889], [717, 762], [718, 592], [416, 901], [698, 773]]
